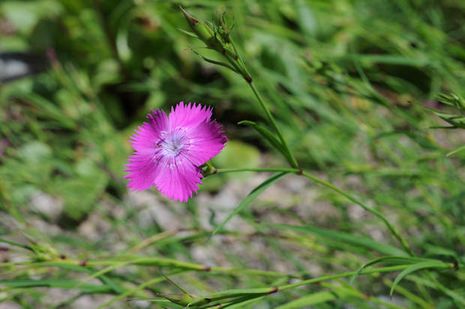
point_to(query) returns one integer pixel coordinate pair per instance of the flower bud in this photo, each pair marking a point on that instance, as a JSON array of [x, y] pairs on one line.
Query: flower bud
[[211, 37]]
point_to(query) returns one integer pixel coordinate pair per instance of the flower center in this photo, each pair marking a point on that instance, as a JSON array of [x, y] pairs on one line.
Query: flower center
[[174, 142]]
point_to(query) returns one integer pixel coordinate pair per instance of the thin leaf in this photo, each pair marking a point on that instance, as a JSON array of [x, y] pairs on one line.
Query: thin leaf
[[56, 283], [309, 300], [415, 268], [346, 239], [389, 260], [250, 198], [231, 294], [269, 136], [243, 303], [216, 62], [191, 34], [453, 152]]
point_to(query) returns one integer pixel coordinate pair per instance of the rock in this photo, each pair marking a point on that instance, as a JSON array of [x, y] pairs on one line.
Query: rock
[[46, 205]]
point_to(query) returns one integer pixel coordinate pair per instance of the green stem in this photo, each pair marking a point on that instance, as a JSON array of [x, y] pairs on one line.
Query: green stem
[[374, 212], [344, 275], [271, 170], [272, 121], [234, 295], [240, 68], [148, 262], [329, 185], [16, 244]]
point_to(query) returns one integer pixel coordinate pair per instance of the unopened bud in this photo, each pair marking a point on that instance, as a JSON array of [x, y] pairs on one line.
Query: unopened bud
[[201, 29], [211, 38]]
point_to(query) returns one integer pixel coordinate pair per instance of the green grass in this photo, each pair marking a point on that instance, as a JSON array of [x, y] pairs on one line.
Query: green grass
[[347, 99]]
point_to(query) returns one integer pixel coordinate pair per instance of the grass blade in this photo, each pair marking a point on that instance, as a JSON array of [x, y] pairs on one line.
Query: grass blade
[[345, 238], [309, 300], [415, 268], [250, 198]]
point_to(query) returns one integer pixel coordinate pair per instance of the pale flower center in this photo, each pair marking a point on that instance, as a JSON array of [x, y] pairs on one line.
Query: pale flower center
[[174, 142]]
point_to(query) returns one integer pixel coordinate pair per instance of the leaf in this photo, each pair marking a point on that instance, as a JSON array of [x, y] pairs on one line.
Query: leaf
[[250, 198], [189, 33], [242, 294], [49, 110], [453, 152], [56, 283], [415, 268], [390, 260], [309, 300], [345, 239], [132, 291], [243, 303], [457, 294], [457, 121], [269, 136], [306, 18], [216, 62]]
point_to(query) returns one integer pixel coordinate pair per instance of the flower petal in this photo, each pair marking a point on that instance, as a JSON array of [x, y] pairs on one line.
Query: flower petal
[[206, 141], [178, 179], [189, 115], [141, 171], [148, 134]]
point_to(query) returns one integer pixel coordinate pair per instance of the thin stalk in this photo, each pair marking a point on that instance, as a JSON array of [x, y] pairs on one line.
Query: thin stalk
[[374, 212], [266, 169], [217, 38], [16, 244], [387, 269], [272, 121], [149, 262], [241, 69], [232, 295], [329, 185]]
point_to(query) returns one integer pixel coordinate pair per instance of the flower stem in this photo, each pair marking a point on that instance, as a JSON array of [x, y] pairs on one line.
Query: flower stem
[[374, 212], [331, 186], [217, 38], [272, 121], [271, 170], [387, 269], [241, 69]]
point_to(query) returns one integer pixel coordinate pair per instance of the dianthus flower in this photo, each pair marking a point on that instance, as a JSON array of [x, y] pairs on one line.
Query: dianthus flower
[[170, 149]]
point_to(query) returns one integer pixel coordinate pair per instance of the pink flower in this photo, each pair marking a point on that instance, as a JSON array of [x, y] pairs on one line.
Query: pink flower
[[169, 150]]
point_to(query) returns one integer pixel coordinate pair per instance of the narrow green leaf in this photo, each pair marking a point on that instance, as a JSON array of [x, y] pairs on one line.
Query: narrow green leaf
[[367, 60], [189, 33], [453, 152], [56, 283], [133, 291], [231, 294], [389, 260], [242, 303], [269, 136], [415, 268], [309, 300], [163, 303], [457, 295], [345, 238], [216, 62], [250, 198], [49, 110]]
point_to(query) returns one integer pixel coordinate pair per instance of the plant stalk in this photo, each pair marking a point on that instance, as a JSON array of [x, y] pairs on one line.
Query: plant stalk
[[334, 188]]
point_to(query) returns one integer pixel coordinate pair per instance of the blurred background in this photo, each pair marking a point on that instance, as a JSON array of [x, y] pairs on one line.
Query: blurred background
[[354, 84]]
